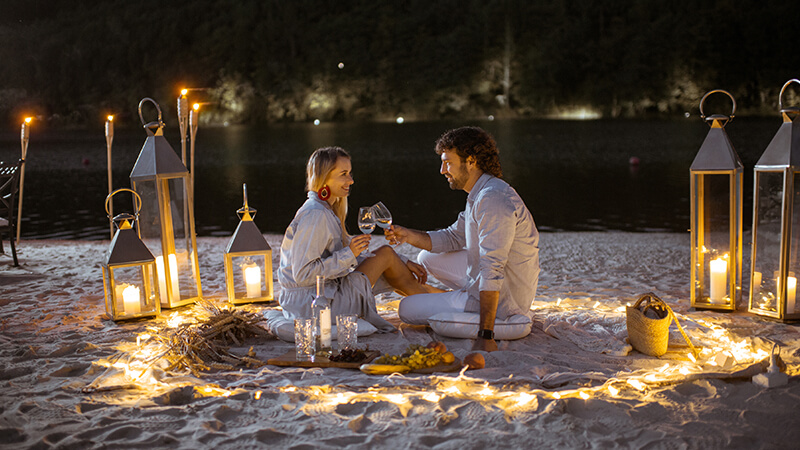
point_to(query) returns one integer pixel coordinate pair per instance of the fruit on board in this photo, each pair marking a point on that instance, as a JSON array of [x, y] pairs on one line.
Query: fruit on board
[[416, 357], [384, 369], [438, 346], [475, 361], [448, 357]]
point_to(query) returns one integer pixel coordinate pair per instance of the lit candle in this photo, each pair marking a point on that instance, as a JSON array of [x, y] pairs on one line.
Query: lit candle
[[162, 278], [791, 290], [130, 300], [756, 279], [719, 280], [252, 278]]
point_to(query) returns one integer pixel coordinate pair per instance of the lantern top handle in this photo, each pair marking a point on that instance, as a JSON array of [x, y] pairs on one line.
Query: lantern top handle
[[246, 212], [780, 97], [148, 125], [137, 206], [723, 118]]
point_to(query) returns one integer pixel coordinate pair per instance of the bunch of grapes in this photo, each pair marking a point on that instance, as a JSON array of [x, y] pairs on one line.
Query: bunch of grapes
[[349, 355], [416, 356]]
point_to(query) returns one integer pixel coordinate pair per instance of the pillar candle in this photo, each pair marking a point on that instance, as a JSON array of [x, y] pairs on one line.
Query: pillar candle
[[719, 280], [162, 278], [130, 299], [252, 278], [791, 291]]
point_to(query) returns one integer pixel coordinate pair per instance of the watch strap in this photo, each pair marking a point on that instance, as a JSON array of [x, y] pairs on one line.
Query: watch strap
[[486, 334]]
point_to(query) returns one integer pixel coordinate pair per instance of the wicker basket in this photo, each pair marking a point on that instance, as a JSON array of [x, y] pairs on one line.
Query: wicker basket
[[649, 335]]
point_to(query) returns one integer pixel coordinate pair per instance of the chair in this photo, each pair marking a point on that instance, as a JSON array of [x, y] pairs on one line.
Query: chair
[[9, 186]]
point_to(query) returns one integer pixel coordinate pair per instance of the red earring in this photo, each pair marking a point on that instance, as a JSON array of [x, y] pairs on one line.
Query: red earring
[[324, 193]]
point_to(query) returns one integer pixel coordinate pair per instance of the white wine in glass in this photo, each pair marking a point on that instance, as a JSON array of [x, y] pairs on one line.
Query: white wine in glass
[[383, 218], [366, 221]]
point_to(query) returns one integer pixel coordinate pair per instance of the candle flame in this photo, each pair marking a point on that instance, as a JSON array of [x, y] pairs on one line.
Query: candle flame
[[28, 119], [196, 106], [110, 118], [184, 91]]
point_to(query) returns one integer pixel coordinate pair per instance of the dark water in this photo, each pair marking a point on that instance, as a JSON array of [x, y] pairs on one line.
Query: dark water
[[573, 175]]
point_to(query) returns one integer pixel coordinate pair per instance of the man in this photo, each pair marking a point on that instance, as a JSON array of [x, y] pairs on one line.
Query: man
[[490, 255]]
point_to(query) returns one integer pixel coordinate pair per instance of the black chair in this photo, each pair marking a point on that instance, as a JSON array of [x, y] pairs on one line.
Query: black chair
[[9, 186]]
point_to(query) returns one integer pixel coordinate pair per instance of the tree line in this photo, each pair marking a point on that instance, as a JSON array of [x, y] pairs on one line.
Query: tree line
[[73, 61]]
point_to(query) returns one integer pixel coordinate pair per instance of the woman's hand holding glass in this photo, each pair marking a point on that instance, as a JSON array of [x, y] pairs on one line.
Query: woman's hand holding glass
[[359, 244]]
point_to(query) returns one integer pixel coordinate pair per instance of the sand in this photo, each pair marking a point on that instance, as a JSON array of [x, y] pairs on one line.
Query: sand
[[574, 382]]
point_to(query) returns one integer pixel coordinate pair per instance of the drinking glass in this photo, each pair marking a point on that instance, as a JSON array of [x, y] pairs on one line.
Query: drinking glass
[[366, 223], [304, 339], [366, 219], [346, 332], [383, 218]]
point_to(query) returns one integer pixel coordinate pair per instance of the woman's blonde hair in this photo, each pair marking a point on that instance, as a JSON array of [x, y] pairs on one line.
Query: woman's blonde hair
[[319, 167]]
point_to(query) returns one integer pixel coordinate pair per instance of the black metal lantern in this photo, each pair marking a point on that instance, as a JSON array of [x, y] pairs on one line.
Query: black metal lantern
[[248, 261], [776, 221], [716, 214], [129, 269], [166, 222]]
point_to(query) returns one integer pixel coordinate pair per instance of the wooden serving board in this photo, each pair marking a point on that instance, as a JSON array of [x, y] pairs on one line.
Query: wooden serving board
[[290, 359]]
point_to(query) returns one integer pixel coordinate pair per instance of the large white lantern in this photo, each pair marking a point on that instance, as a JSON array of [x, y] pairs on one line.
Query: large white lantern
[[248, 261], [716, 215], [166, 222], [776, 221], [129, 269]]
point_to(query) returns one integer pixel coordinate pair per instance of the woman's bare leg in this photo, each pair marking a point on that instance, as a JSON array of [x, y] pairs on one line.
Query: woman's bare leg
[[387, 263]]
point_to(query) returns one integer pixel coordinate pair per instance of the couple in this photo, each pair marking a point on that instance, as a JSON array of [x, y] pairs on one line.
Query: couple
[[489, 256]]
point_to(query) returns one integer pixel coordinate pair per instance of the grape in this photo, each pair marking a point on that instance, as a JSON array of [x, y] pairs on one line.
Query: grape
[[416, 356]]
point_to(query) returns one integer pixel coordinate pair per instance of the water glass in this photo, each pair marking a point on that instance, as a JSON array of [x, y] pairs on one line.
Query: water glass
[[303, 339], [346, 332]]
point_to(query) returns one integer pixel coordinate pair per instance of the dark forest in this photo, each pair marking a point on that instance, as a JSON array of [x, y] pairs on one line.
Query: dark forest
[[71, 62]]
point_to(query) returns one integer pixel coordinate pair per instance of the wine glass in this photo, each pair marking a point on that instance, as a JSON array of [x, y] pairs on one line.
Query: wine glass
[[366, 219], [366, 223], [383, 218]]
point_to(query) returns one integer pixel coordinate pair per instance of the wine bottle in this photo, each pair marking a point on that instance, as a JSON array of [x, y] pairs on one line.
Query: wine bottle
[[321, 308]]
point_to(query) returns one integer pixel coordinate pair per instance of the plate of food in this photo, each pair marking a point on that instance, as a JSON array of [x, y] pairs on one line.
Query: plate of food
[[415, 359]]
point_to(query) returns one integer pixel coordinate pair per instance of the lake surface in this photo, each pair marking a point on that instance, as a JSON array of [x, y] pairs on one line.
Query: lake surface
[[573, 175]]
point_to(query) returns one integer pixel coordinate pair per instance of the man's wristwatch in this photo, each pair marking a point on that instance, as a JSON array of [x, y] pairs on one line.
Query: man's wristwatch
[[486, 334]]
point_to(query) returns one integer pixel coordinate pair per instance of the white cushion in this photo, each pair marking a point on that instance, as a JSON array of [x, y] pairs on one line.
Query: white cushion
[[464, 325], [283, 327]]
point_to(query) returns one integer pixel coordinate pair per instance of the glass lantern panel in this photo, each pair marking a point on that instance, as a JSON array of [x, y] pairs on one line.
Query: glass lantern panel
[[149, 216], [767, 240], [179, 217], [133, 291], [248, 276], [713, 234], [792, 306]]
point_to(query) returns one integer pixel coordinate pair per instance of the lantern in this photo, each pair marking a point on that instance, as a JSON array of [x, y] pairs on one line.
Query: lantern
[[129, 269], [248, 261], [166, 221], [776, 221], [716, 215]]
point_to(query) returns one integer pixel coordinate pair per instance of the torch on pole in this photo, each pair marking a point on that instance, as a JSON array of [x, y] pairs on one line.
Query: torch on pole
[[194, 118], [25, 134], [109, 140], [183, 116]]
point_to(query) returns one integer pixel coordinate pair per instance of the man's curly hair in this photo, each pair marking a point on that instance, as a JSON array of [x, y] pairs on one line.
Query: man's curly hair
[[475, 142]]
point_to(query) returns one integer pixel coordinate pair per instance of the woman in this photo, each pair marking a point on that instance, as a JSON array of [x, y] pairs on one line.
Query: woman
[[316, 243]]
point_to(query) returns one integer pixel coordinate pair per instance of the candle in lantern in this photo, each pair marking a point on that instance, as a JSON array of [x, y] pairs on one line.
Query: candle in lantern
[[756, 279], [130, 300], [252, 278], [791, 291], [719, 280], [162, 278]]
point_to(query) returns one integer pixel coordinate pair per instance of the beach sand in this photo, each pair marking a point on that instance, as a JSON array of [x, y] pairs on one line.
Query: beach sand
[[67, 378]]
